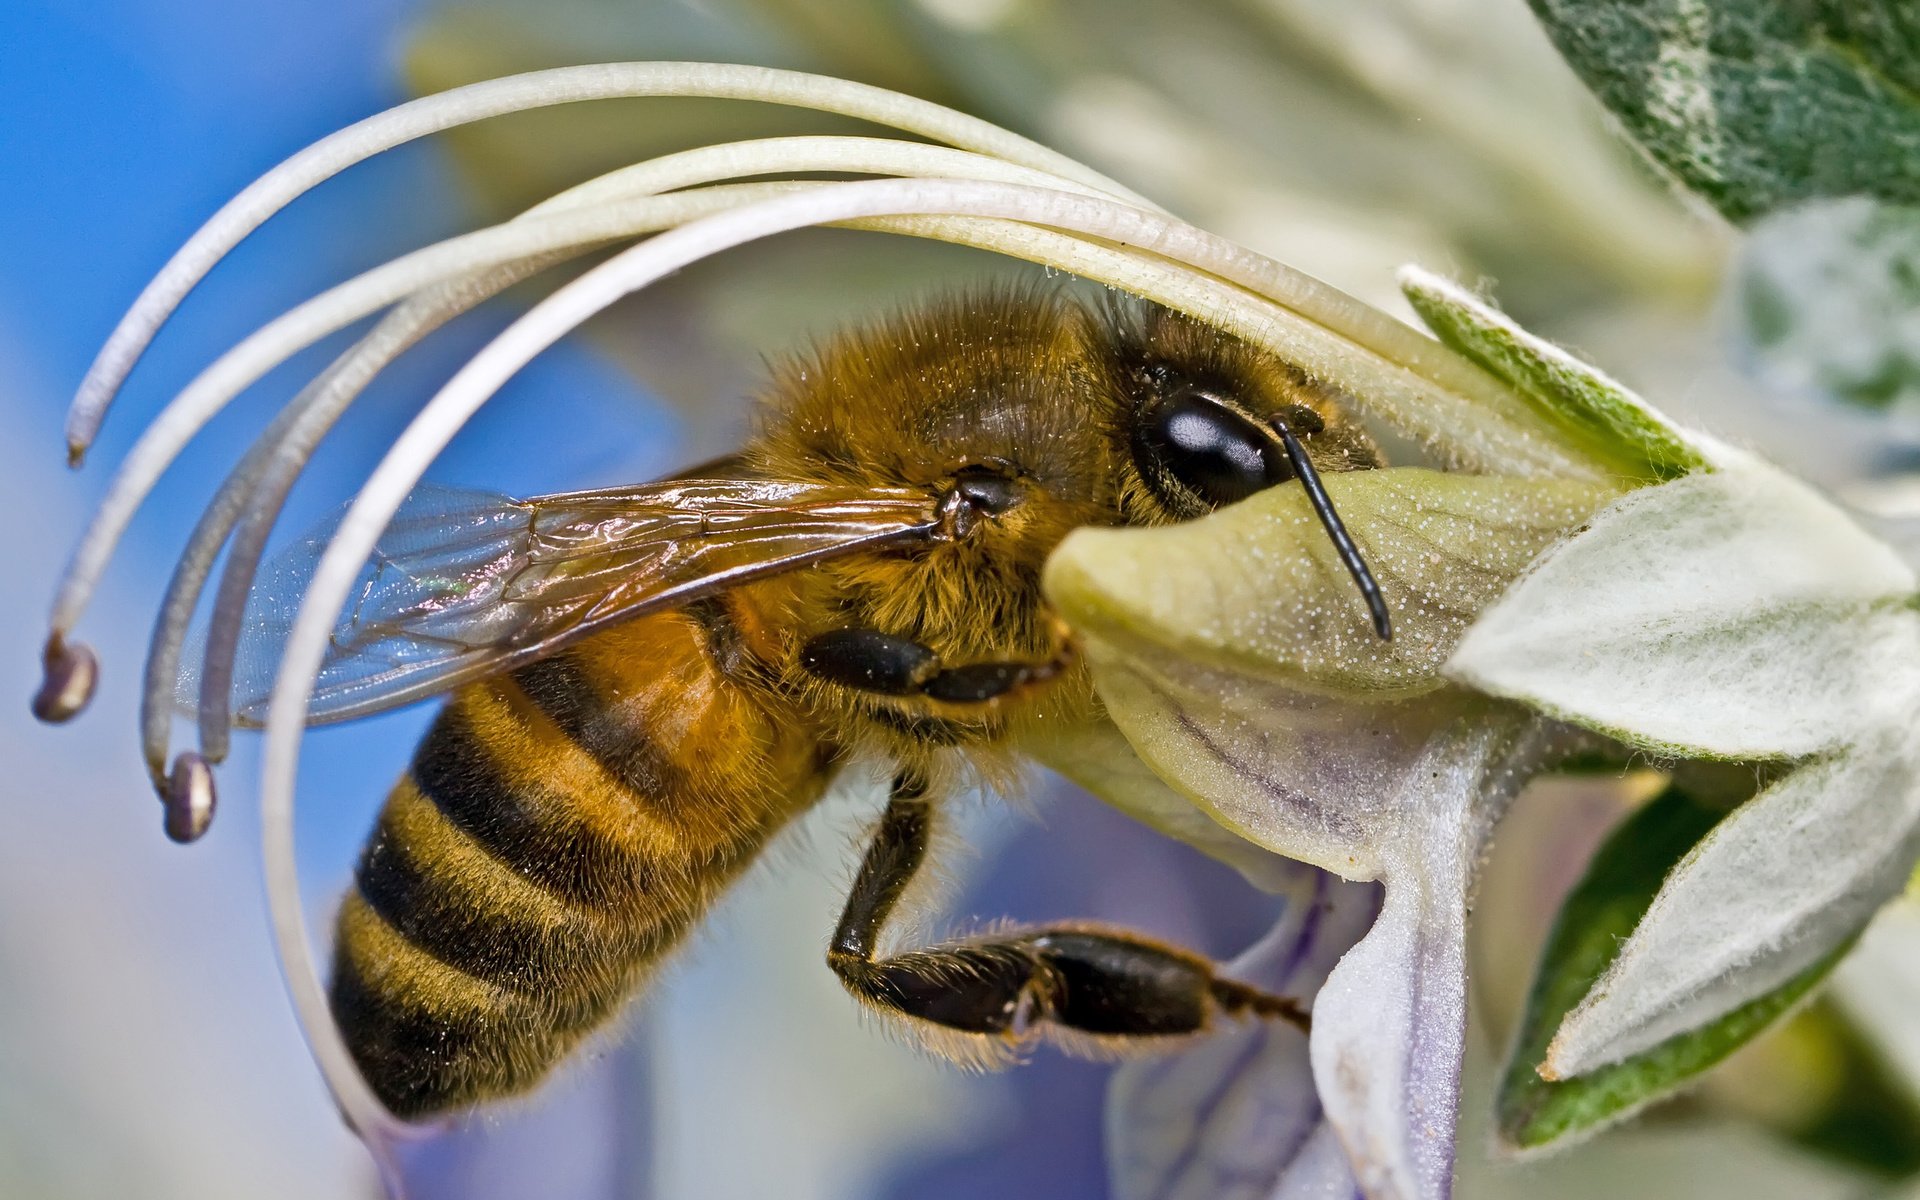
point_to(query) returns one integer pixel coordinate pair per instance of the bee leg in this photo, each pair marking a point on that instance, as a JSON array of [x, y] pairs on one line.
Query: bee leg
[[1117, 990], [871, 661]]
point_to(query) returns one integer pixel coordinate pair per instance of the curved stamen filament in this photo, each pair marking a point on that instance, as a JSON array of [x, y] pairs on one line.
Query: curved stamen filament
[[986, 188], [618, 205], [251, 499], [498, 97]]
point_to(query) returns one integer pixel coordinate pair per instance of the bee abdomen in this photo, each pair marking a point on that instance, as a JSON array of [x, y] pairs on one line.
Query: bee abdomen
[[463, 972], [545, 850]]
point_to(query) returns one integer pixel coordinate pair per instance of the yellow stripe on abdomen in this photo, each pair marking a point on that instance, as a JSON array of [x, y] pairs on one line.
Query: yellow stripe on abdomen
[[559, 831]]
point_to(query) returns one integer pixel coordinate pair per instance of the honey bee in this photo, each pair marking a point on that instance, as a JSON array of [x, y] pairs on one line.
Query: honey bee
[[649, 682]]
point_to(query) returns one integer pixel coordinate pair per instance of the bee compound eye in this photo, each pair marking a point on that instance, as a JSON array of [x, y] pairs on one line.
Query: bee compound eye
[[1209, 448]]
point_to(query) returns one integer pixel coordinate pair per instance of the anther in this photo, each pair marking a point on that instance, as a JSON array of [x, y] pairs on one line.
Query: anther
[[70, 673], [189, 798]]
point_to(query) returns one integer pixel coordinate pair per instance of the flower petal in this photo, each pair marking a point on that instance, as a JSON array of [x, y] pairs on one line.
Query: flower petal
[[1099, 758], [1237, 1117], [1404, 791], [1733, 614], [1782, 883], [1257, 587], [1390, 1031], [1337, 783], [1233, 655]]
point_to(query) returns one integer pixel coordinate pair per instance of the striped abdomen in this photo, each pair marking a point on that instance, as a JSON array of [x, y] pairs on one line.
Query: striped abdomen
[[559, 830]]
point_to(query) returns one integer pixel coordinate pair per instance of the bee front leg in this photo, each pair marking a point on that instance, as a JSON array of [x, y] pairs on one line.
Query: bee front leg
[[871, 661], [1086, 986]]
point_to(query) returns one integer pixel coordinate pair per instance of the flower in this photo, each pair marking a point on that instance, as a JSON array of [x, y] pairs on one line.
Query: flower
[[1701, 605], [1282, 720]]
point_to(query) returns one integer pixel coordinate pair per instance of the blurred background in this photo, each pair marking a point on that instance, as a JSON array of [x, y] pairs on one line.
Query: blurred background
[[145, 1047]]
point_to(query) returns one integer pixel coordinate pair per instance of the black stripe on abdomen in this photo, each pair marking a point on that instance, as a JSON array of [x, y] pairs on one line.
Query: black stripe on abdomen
[[415, 1059], [484, 936], [566, 693], [536, 832]]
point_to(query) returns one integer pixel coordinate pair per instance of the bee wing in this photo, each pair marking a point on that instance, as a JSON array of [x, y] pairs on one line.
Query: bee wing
[[469, 584]]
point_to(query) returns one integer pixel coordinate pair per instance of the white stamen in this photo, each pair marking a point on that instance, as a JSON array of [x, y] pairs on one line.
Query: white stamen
[[330, 395], [619, 204], [497, 97]]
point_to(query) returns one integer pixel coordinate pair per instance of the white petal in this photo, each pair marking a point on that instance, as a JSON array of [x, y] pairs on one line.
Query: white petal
[[1319, 1172], [1390, 1026], [1405, 792], [1237, 1117], [1097, 757], [1257, 587], [1734, 613], [1775, 887], [1337, 783]]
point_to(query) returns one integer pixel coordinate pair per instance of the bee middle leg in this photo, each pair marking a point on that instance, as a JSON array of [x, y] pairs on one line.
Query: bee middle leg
[[1120, 989], [871, 661]]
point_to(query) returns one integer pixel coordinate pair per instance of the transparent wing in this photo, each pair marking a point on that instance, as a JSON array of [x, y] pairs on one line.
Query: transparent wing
[[467, 584]]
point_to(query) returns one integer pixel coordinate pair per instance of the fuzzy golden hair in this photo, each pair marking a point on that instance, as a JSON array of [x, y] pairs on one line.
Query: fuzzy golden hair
[[1032, 380]]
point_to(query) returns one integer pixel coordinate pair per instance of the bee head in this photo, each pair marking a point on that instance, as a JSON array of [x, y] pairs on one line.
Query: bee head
[[1203, 419]]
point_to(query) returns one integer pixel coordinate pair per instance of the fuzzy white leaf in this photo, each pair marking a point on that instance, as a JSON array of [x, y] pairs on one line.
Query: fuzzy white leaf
[[1778, 885], [1734, 613], [1824, 305], [1237, 1116]]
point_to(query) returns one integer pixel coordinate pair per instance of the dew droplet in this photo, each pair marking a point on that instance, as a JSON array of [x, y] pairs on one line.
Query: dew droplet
[[189, 799], [69, 674]]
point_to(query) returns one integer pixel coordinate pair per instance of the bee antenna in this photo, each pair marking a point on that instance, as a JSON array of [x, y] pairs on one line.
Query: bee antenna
[[1336, 530]]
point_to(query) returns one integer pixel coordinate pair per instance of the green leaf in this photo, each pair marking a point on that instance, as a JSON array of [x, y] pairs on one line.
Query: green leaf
[[1609, 421], [1592, 925], [1867, 1115], [1756, 104], [1826, 301]]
